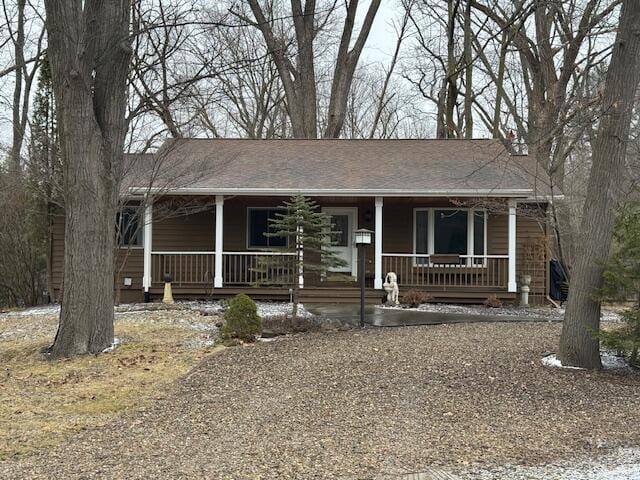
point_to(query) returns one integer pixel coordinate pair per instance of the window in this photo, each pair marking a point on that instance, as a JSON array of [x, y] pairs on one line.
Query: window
[[479, 231], [449, 231], [340, 230], [422, 235], [129, 226], [258, 225]]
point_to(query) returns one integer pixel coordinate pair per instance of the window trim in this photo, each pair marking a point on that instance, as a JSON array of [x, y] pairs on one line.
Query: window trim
[[248, 245], [431, 235], [136, 206]]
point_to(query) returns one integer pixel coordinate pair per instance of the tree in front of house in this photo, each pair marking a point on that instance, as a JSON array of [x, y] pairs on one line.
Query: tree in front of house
[[578, 347], [89, 51], [310, 238], [621, 282]]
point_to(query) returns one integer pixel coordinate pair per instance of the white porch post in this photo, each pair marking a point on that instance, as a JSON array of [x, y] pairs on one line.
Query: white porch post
[[377, 282], [512, 286], [217, 279], [300, 248], [147, 245]]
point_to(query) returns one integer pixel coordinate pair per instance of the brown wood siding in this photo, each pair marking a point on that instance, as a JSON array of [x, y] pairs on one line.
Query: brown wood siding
[[129, 262], [196, 232]]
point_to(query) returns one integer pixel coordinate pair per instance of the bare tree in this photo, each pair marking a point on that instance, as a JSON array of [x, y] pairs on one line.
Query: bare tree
[[244, 87], [578, 347], [168, 61], [25, 31], [298, 76], [383, 99], [445, 73], [90, 87]]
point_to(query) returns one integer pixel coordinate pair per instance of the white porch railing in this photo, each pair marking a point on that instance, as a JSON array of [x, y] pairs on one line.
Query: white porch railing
[[185, 268], [448, 271], [259, 268], [279, 269], [238, 268]]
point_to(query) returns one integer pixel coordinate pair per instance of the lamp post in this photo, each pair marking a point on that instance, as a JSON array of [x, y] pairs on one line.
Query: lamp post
[[361, 238]]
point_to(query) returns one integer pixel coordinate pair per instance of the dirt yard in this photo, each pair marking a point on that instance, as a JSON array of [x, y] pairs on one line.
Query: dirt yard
[[354, 404], [43, 402]]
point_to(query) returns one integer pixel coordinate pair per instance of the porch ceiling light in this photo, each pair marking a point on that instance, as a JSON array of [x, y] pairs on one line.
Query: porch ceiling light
[[362, 236]]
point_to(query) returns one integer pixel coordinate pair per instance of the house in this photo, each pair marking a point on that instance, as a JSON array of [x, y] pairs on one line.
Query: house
[[460, 219]]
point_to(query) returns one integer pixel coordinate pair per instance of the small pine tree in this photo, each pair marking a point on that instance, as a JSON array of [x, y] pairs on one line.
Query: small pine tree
[[310, 238], [621, 281]]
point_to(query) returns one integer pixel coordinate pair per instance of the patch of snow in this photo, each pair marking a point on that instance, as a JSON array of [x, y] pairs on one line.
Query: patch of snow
[[619, 464], [113, 346], [609, 361], [266, 339], [265, 309], [610, 316], [34, 311], [548, 313], [527, 312], [276, 309], [553, 361]]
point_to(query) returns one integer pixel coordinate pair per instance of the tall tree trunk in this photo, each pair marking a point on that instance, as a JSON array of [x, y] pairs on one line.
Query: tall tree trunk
[[89, 51], [382, 99], [497, 111], [299, 81], [345, 67], [578, 347], [452, 71], [468, 69], [18, 125], [441, 122]]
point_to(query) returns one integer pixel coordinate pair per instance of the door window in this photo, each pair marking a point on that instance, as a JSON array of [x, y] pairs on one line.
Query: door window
[[340, 230]]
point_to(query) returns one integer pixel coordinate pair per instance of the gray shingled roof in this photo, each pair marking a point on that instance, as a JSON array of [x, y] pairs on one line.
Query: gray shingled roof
[[326, 166]]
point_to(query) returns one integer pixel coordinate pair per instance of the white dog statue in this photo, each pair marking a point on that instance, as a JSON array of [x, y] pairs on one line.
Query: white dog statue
[[390, 286]]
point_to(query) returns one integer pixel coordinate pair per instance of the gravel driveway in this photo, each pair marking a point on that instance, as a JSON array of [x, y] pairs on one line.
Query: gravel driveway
[[361, 404]]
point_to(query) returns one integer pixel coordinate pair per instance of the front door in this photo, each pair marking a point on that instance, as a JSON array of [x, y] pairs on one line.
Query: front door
[[343, 221]]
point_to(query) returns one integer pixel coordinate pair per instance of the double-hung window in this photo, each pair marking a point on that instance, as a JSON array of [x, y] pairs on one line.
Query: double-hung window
[[259, 225], [129, 225], [449, 231]]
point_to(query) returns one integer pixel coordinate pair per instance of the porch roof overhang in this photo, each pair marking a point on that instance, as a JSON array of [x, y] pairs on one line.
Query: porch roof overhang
[[278, 192]]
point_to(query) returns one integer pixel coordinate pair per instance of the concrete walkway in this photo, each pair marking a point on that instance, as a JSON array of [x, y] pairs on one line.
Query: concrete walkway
[[382, 317]]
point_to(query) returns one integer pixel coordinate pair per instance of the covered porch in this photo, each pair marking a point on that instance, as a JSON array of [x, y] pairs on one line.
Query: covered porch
[[452, 249]]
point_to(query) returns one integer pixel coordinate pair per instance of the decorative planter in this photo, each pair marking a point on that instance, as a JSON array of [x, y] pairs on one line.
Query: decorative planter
[[525, 281]]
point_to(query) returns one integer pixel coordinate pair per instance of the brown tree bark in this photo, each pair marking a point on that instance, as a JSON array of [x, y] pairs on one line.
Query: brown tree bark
[[24, 77], [299, 80], [89, 51], [346, 66], [452, 71], [578, 347], [468, 74], [18, 125]]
